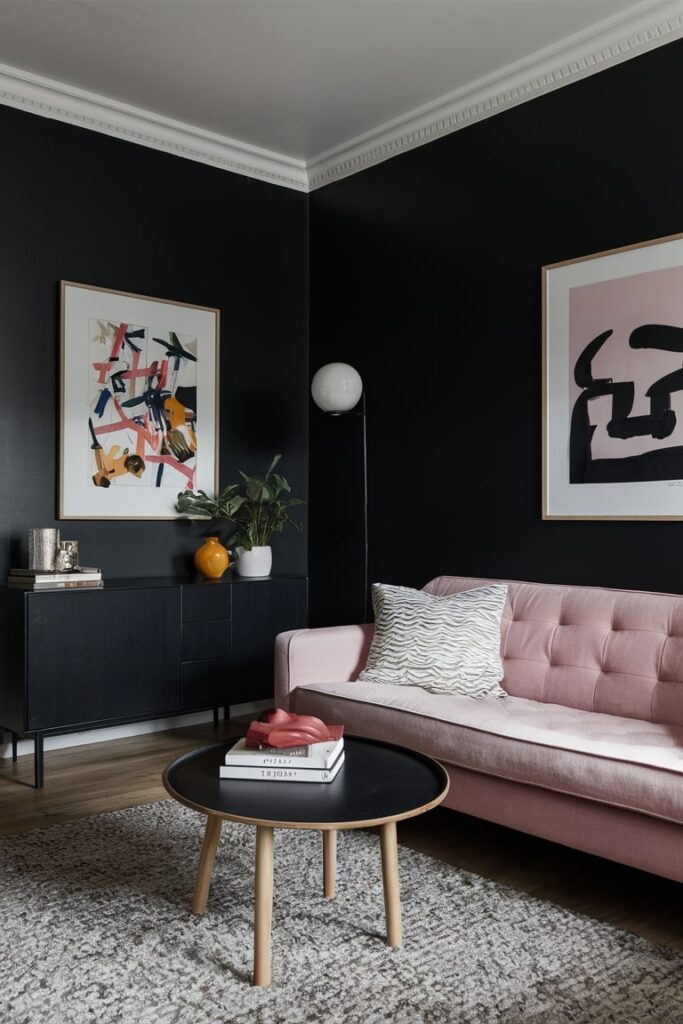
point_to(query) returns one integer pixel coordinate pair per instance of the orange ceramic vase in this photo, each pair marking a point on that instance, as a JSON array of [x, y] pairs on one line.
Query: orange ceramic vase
[[212, 558]]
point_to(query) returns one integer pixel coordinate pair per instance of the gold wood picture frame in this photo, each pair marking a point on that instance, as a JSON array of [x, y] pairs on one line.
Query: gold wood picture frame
[[613, 384], [139, 407]]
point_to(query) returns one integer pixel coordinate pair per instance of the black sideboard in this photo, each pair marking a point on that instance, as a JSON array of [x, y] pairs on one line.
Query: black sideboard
[[138, 649]]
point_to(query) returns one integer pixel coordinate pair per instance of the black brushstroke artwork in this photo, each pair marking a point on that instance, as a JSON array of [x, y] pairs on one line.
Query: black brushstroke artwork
[[175, 350], [661, 336], [665, 463]]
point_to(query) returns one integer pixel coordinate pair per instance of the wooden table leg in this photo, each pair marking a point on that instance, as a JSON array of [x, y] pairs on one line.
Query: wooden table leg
[[329, 862], [392, 898], [263, 905], [206, 860]]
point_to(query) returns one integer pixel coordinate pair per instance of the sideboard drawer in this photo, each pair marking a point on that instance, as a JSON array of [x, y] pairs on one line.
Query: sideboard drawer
[[206, 682], [208, 600], [205, 640]]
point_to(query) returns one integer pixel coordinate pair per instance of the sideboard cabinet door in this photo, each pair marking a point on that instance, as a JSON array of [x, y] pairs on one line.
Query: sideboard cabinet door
[[260, 610], [101, 655]]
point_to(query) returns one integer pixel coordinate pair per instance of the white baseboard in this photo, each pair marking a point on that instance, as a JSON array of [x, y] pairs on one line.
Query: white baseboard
[[118, 732]]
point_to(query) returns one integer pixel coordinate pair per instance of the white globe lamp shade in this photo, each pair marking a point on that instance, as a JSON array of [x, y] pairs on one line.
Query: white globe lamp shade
[[336, 387]]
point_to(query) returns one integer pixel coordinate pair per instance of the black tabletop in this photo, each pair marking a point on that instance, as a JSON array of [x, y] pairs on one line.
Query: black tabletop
[[378, 782]]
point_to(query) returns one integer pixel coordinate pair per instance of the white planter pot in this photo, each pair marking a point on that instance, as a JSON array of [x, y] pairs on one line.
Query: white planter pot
[[257, 562]]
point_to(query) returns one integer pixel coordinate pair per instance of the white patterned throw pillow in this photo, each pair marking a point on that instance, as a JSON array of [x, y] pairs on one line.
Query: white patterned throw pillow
[[443, 644]]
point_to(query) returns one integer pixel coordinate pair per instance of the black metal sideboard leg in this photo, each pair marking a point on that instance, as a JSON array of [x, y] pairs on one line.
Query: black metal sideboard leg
[[226, 712], [215, 718], [14, 746], [38, 759]]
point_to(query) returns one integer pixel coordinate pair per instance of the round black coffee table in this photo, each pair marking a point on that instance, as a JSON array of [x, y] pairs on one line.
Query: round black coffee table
[[378, 785]]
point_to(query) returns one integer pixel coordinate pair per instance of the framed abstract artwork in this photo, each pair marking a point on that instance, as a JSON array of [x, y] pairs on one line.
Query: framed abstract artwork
[[139, 403], [613, 384]]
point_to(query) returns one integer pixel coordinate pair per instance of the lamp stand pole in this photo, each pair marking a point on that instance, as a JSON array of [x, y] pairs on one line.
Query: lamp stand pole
[[366, 579], [337, 389], [360, 411]]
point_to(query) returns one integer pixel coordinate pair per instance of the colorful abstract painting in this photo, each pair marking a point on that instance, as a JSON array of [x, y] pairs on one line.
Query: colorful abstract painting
[[614, 384], [144, 428]]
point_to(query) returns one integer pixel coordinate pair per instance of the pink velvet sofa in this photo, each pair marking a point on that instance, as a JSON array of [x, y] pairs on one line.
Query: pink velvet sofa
[[587, 749]]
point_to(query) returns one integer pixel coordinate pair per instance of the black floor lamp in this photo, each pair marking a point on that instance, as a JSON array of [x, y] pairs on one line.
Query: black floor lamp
[[337, 389]]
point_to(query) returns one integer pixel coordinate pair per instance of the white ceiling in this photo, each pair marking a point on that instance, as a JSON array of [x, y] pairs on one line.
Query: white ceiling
[[295, 77]]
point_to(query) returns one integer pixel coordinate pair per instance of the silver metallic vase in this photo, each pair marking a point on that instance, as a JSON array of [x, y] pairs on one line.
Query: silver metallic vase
[[42, 549]]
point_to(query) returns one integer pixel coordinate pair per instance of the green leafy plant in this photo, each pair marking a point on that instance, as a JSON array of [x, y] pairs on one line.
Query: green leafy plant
[[258, 507]]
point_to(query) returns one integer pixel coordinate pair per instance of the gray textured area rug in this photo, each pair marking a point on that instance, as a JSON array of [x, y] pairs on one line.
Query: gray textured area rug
[[96, 927]]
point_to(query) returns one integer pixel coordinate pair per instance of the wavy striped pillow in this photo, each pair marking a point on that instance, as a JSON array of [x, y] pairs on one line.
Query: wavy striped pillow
[[443, 644]]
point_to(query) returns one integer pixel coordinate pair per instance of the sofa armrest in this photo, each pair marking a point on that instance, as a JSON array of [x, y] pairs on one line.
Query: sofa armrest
[[333, 654]]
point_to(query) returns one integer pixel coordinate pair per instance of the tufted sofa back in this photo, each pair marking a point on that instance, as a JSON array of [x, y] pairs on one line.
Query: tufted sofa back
[[619, 652]]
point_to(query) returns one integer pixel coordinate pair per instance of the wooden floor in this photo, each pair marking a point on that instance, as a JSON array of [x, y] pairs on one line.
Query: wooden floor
[[123, 773]]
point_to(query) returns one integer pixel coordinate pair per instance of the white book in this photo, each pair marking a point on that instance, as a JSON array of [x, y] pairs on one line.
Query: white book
[[45, 579], [72, 584], [315, 755], [278, 773], [47, 574]]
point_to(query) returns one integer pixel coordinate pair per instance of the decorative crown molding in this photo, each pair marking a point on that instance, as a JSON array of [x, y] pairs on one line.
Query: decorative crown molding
[[48, 98], [610, 42], [642, 27]]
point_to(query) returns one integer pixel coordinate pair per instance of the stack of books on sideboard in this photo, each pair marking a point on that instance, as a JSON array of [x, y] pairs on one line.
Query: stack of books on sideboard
[[287, 748], [38, 579]]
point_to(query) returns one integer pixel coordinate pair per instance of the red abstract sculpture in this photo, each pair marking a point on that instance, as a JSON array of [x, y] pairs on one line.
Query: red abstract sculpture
[[280, 729]]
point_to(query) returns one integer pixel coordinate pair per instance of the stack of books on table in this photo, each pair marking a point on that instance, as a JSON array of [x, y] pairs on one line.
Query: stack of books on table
[[318, 762], [36, 579]]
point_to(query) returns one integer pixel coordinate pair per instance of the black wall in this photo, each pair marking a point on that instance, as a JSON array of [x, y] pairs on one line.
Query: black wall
[[80, 206], [426, 275]]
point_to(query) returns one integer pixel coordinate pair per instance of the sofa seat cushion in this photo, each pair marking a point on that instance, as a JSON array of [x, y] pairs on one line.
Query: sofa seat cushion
[[623, 762]]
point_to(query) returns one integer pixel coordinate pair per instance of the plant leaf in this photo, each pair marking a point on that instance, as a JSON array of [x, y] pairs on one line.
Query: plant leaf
[[271, 467]]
